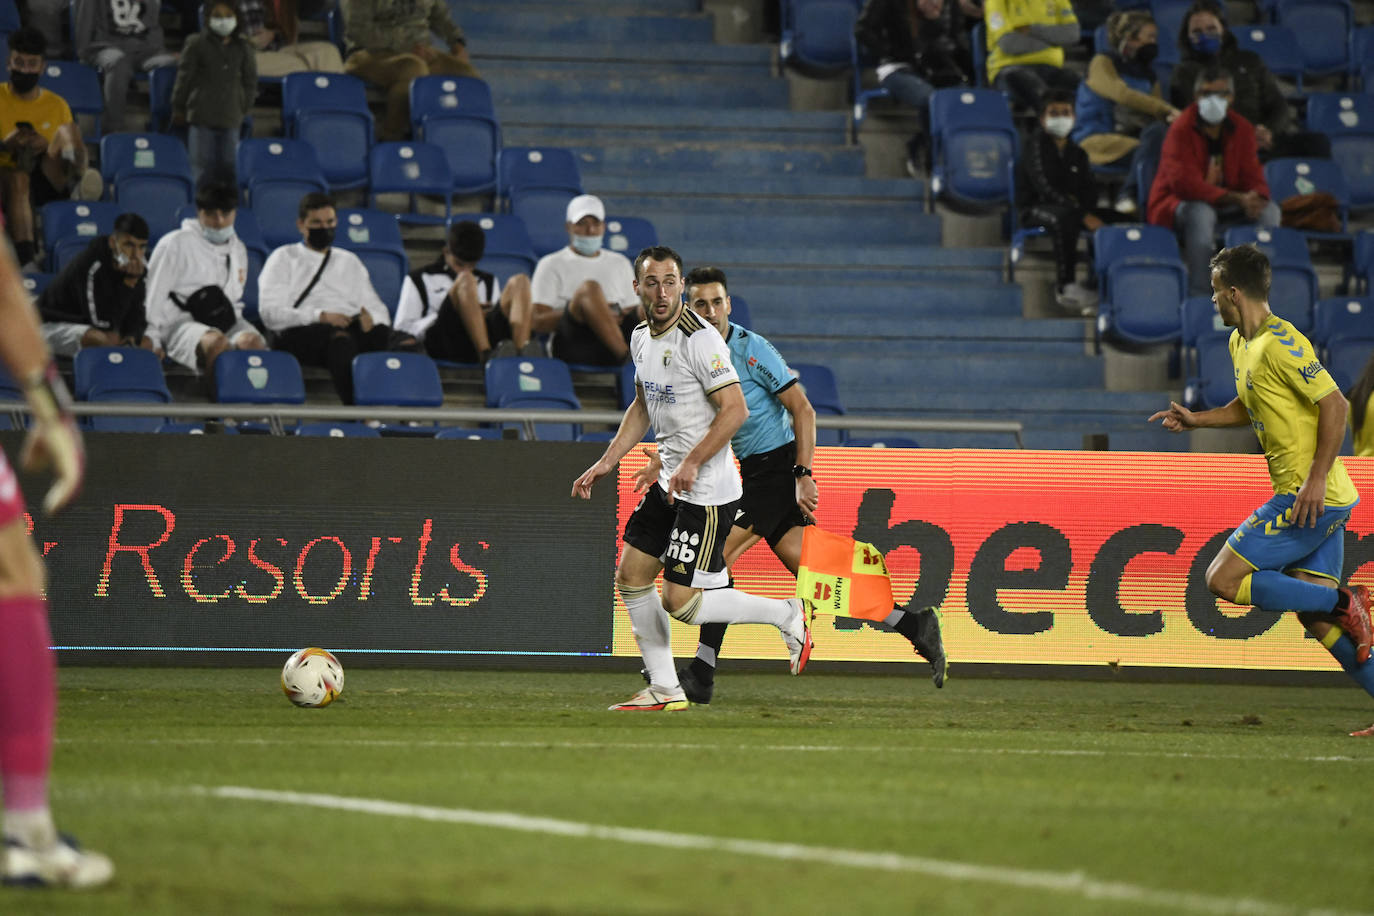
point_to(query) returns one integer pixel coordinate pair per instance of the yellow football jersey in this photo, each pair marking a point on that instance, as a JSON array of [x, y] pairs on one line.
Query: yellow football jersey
[[1279, 380], [46, 113], [1003, 16], [1364, 442]]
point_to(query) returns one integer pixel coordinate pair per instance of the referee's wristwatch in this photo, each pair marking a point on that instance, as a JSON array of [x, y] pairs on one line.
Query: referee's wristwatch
[[800, 470]]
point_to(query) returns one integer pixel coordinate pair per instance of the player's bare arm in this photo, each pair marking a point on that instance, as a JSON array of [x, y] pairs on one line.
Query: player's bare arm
[[731, 412], [1179, 418], [804, 430], [1310, 503], [633, 425]]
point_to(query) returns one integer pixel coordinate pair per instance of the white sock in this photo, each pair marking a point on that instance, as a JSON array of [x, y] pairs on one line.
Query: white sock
[[729, 605], [891, 619], [652, 632], [33, 827]]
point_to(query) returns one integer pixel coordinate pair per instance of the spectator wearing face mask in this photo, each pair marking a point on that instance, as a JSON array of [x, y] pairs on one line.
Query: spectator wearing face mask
[[584, 293], [1204, 40], [1209, 176], [1122, 118], [97, 298], [1056, 190], [216, 81], [1026, 42]]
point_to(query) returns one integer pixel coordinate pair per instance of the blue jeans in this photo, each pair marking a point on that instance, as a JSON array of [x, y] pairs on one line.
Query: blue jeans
[[909, 89], [1196, 223], [1146, 151], [213, 151]]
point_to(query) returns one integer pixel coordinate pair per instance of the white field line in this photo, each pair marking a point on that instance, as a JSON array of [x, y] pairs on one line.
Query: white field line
[[680, 746], [1076, 883]]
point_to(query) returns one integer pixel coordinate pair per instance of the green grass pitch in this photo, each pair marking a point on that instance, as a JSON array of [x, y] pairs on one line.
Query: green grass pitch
[[864, 794]]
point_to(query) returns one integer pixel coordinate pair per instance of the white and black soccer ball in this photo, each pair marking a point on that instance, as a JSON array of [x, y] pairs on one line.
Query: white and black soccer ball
[[312, 677]]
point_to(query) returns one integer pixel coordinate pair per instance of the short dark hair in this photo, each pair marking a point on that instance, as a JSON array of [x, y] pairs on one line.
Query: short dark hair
[[1055, 97], [657, 253], [1201, 6], [700, 276], [1210, 74], [28, 40], [215, 193], [466, 241], [132, 224], [1246, 268], [315, 200]]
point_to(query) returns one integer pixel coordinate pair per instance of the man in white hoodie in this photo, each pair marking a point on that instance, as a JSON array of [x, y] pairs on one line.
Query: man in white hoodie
[[193, 322], [318, 300]]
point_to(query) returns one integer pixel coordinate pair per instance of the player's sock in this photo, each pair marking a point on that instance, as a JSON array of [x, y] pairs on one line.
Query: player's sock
[[903, 623], [708, 650], [728, 605], [1273, 591], [652, 633], [28, 703], [1343, 651]]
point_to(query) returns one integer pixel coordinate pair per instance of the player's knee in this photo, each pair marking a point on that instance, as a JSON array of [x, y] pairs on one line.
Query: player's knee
[[683, 607], [1222, 584]]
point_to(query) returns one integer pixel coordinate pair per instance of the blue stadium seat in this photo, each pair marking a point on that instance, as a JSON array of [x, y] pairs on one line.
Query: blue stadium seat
[[509, 250], [1346, 357], [973, 149], [629, 235], [9, 17], [625, 384], [79, 85], [258, 377], [544, 383], [1348, 316], [882, 442], [1278, 47], [275, 174], [35, 282], [150, 174], [537, 183], [1206, 357], [375, 237], [1348, 120], [124, 374], [466, 432], [1322, 28], [160, 83], [1293, 289], [815, 34], [818, 383], [456, 114], [739, 311], [397, 380], [861, 61], [1142, 281], [348, 429], [69, 226], [1362, 54], [1168, 15], [1362, 265], [329, 111], [387, 270], [1292, 176], [416, 170]]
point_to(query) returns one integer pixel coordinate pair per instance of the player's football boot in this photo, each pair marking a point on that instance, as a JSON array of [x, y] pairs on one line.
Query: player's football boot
[[63, 864], [799, 643], [698, 690], [931, 644], [1364, 733], [1352, 611], [653, 699]]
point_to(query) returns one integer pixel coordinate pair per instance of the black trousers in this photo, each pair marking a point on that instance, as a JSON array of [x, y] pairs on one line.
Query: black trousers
[[334, 348]]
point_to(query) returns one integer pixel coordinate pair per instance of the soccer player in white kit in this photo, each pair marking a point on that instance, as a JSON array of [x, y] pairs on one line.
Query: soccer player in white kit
[[687, 390]]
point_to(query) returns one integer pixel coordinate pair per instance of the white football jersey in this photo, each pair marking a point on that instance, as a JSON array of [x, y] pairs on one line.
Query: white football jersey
[[676, 370]]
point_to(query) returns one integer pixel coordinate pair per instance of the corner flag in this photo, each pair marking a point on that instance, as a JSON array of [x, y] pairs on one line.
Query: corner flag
[[842, 576]]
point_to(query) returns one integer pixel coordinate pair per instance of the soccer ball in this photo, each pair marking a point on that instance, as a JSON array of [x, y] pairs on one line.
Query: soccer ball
[[312, 677]]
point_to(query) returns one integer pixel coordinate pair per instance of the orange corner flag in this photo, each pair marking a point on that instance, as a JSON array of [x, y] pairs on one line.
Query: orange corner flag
[[843, 576]]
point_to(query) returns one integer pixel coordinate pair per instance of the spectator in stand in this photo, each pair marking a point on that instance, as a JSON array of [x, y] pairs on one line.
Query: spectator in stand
[[43, 157], [1209, 175], [1057, 191], [273, 28], [1204, 40], [461, 313], [918, 52], [1362, 410], [96, 300], [389, 44], [118, 37], [584, 293], [216, 82], [1026, 41], [1122, 118], [318, 300], [195, 284]]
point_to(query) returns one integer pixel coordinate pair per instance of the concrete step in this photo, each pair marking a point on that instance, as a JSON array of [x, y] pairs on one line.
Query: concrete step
[[869, 374], [633, 70], [877, 345], [846, 323], [724, 206], [586, 8], [847, 256], [557, 22], [702, 57], [648, 133], [742, 161], [826, 188], [747, 276], [1080, 405], [745, 226], [808, 303], [650, 118], [667, 91]]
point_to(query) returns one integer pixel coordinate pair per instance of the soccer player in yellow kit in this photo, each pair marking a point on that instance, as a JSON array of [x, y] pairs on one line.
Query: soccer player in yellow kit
[[1289, 554]]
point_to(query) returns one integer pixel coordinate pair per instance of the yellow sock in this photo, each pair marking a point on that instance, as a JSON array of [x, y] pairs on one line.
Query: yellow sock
[[1243, 592]]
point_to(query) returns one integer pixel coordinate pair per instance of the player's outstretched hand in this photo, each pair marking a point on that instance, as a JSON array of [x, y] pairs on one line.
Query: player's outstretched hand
[[1176, 419], [54, 441], [582, 486], [645, 476]]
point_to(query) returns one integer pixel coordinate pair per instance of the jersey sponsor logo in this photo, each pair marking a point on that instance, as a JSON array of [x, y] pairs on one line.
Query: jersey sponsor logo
[[680, 569], [718, 366], [682, 546], [763, 370], [1311, 370], [656, 393]]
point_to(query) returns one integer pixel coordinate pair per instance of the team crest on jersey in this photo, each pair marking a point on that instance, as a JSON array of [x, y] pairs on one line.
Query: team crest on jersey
[[1249, 381], [667, 356]]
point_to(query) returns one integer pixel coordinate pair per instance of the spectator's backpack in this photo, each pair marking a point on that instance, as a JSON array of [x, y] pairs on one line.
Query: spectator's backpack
[[209, 305]]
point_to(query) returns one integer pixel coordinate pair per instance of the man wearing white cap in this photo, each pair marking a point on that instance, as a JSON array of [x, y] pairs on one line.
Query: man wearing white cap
[[584, 294]]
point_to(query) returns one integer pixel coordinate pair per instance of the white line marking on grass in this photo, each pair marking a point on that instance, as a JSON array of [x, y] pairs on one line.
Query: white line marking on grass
[[1074, 883], [684, 746]]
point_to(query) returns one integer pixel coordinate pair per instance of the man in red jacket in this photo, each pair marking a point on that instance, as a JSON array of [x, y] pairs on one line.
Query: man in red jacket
[[1209, 172]]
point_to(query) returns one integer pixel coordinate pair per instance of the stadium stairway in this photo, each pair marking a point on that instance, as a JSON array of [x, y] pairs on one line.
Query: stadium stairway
[[700, 138]]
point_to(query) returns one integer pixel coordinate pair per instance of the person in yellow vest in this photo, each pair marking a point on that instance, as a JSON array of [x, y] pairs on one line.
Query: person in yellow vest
[[1362, 411], [1026, 41], [43, 157]]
